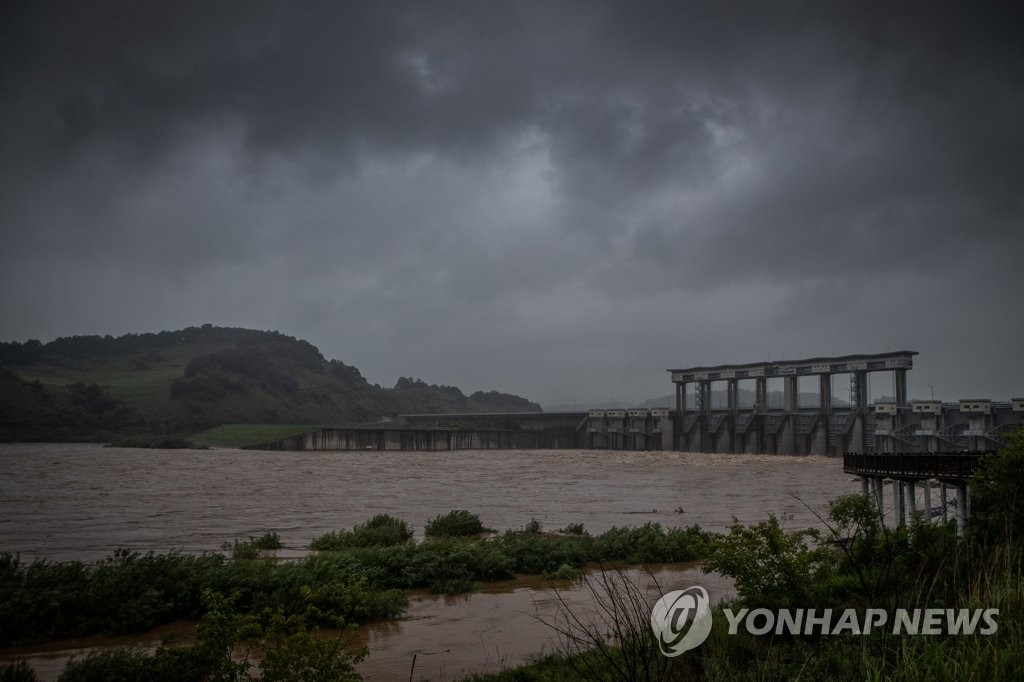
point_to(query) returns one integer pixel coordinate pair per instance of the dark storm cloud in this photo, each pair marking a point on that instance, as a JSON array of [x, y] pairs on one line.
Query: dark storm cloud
[[563, 186]]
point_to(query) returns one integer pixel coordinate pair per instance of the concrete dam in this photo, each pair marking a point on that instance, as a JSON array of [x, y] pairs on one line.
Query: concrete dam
[[743, 408], [831, 426]]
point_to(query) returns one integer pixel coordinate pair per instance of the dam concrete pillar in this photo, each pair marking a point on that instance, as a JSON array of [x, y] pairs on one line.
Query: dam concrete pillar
[[825, 407], [732, 395], [825, 393], [859, 384], [944, 501], [900, 378], [789, 394], [704, 409]]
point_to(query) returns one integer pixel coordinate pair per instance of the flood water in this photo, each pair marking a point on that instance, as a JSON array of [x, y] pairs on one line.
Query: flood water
[[61, 501]]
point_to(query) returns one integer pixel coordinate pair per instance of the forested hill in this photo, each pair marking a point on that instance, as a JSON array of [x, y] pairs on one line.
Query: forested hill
[[96, 388]]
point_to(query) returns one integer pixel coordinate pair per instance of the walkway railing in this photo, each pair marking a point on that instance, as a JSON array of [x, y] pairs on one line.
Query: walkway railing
[[948, 466]]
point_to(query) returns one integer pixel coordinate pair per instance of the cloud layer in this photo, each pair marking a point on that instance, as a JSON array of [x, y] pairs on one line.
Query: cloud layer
[[556, 199]]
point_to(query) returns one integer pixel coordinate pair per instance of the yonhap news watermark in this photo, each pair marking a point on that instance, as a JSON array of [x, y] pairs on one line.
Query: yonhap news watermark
[[681, 620]]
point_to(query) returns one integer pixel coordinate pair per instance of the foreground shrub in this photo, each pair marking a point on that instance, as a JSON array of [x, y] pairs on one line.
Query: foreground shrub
[[130, 592], [997, 495], [773, 568], [225, 641], [19, 671], [456, 523], [383, 530]]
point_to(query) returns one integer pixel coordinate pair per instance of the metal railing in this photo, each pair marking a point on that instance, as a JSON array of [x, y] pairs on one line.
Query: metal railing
[[941, 465]]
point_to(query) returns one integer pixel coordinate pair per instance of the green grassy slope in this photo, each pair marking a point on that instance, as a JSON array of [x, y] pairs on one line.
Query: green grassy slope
[[243, 435], [181, 382]]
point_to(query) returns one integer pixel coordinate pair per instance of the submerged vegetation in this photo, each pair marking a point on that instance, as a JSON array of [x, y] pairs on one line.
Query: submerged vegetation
[[456, 523], [358, 575], [251, 548], [228, 645], [383, 530]]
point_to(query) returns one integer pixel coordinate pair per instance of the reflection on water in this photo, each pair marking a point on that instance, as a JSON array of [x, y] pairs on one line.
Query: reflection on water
[[502, 626], [84, 501]]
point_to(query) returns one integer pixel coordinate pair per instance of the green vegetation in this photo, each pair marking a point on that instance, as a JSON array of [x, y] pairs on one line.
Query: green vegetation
[[997, 496], [456, 523], [251, 548], [19, 671], [247, 435], [363, 578], [187, 381], [157, 442], [456, 564], [382, 530], [226, 640], [854, 563], [131, 592]]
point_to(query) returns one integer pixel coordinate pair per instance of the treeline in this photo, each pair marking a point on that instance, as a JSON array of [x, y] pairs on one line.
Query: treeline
[[95, 346], [182, 382]]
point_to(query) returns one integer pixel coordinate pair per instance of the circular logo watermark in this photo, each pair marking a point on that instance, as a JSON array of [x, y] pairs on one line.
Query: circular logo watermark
[[681, 620]]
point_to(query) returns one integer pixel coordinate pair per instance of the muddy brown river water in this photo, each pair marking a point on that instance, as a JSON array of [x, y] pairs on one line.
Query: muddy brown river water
[[83, 501]]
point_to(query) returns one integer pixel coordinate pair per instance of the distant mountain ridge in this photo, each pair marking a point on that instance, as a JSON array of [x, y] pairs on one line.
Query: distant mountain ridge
[[184, 381]]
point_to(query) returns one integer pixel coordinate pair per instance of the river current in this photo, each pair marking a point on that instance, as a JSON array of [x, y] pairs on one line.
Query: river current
[[83, 501]]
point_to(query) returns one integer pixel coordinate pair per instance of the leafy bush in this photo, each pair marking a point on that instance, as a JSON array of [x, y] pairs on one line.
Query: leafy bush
[[363, 579], [564, 572], [773, 568], [251, 548], [456, 523], [19, 671], [383, 530], [269, 540], [997, 494], [290, 651]]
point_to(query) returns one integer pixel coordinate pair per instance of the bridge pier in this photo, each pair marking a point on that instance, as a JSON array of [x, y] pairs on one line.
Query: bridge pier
[[899, 498], [880, 499], [912, 495], [906, 471], [963, 508]]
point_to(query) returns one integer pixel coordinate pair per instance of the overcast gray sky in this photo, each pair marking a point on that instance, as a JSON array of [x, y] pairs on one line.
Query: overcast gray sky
[[555, 199]]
